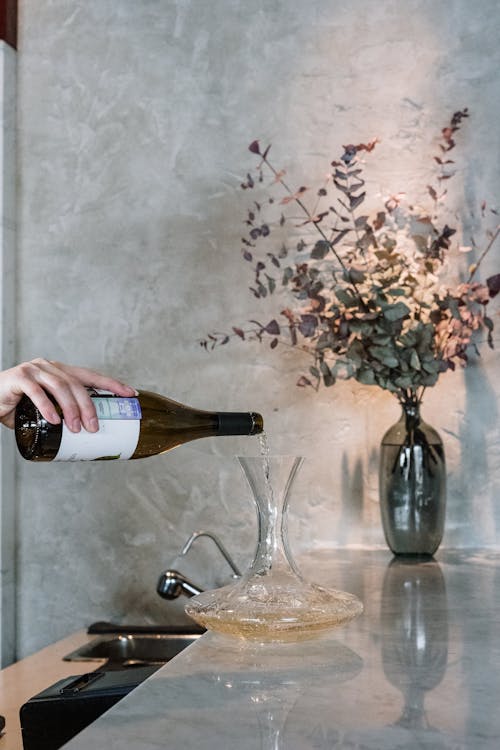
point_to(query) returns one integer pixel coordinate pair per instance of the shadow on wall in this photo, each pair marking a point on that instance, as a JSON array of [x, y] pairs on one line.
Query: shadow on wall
[[474, 483], [479, 511], [360, 520], [352, 499]]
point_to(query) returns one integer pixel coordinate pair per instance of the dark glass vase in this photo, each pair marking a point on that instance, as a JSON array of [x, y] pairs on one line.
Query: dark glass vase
[[412, 484]]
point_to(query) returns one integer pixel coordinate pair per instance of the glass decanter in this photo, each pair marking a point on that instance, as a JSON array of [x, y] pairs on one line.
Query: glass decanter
[[272, 601]]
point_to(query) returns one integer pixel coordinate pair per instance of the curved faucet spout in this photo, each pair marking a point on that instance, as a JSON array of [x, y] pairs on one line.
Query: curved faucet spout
[[172, 584], [196, 534]]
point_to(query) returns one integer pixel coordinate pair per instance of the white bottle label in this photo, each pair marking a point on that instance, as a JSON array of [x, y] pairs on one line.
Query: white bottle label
[[118, 435]]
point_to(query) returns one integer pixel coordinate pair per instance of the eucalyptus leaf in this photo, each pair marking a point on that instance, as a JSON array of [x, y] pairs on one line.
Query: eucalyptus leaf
[[429, 380], [381, 339], [320, 250], [339, 236], [366, 376], [356, 352], [307, 325], [431, 368], [384, 355], [453, 308], [354, 276], [328, 376], [340, 186], [404, 381], [356, 200], [414, 360], [261, 289], [396, 312], [325, 341], [361, 222], [273, 328], [346, 297], [271, 283]]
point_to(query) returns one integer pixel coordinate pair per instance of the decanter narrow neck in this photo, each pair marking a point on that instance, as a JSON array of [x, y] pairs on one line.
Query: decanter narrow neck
[[272, 527], [271, 481]]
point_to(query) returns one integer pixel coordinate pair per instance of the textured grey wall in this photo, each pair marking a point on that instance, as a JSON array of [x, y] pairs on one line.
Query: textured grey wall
[[7, 343], [134, 120]]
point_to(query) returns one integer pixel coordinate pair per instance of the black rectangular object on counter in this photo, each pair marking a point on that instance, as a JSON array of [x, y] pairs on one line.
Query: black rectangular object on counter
[[55, 715], [103, 627]]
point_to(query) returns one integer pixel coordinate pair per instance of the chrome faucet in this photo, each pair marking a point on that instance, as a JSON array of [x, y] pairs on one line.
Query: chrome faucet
[[171, 584]]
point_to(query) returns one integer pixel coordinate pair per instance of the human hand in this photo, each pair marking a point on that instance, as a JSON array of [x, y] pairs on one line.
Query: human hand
[[66, 383]]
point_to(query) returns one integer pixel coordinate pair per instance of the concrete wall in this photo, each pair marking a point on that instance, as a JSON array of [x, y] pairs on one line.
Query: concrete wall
[[7, 343], [134, 120]]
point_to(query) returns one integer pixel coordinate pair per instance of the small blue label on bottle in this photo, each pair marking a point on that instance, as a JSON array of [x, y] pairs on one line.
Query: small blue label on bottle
[[117, 408]]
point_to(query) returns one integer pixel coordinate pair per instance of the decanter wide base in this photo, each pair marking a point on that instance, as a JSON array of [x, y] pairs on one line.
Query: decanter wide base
[[266, 611]]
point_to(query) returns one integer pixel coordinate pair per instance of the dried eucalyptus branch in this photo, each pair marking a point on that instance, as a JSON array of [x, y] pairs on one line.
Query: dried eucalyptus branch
[[366, 295]]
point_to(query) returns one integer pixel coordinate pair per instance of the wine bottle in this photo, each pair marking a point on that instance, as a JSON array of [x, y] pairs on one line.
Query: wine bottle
[[128, 428]]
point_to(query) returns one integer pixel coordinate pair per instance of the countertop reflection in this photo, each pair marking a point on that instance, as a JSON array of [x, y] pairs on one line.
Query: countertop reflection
[[419, 669], [414, 618]]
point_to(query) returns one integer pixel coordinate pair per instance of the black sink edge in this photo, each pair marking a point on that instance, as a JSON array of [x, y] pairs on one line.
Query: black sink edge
[[103, 627]]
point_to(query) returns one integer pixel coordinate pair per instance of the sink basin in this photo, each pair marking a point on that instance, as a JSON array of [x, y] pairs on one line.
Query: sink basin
[[133, 650]]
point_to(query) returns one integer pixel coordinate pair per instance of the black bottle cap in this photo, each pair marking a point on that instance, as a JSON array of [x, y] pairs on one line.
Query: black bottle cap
[[239, 423]]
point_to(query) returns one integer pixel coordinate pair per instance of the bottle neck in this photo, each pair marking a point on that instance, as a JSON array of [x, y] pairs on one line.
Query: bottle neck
[[239, 423]]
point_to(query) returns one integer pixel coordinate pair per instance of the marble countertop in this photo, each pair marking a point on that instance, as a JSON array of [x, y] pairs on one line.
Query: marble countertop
[[419, 669]]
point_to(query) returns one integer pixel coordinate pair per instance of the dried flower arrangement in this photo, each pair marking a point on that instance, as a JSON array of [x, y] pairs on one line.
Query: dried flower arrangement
[[368, 300]]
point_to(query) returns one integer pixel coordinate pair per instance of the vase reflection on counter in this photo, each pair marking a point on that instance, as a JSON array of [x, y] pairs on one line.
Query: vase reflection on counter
[[272, 601], [415, 635], [412, 484]]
